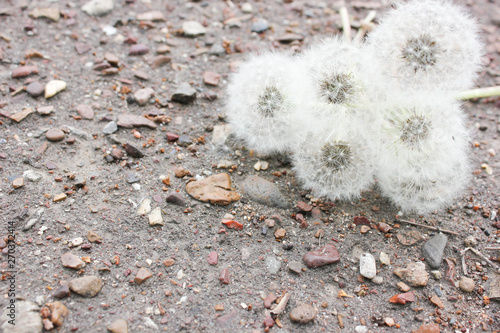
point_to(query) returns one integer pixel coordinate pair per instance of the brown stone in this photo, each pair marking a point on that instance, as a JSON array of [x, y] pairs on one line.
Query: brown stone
[[159, 60], [93, 237], [427, 328], [181, 172], [62, 291], [269, 300], [211, 78], [85, 111], [213, 258], [24, 71], [70, 260], [17, 117], [224, 276], [18, 182], [467, 284], [215, 189], [55, 134], [87, 286], [112, 59], [132, 120], [303, 207], [142, 275], [57, 313], [328, 254], [138, 49], [45, 110], [117, 153], [118, 326], [403, 298], [168, 262], [414, 274], [60, 197], [437, 301], [303, 314]]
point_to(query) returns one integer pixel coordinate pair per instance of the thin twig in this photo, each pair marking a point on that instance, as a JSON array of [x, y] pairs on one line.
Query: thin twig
[[430, 228], [464, 265], [492, 248], [492, 264], [365, 26], [346, 25], [479, 93]]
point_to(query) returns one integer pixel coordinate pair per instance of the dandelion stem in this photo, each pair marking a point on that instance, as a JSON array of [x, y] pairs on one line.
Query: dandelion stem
[[479, 93], [365, 26], [430, 227], [346, 25]]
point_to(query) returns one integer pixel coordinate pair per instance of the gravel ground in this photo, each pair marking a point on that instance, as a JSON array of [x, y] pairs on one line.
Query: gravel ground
[[79, 196]]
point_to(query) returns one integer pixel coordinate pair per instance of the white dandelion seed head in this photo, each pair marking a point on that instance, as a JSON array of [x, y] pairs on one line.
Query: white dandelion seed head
[[426, 43], [334, 161], [263, 100]]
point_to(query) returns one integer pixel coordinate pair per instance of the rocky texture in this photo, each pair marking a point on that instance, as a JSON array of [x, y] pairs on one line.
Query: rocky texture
[[215, 189], [264, 192], [325, 255], [87, 286], [71, 261], [29, 322], [303, 314], [142, 275], [414, 274]]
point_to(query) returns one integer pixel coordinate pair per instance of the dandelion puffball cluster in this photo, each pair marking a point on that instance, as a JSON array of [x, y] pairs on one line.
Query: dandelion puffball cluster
[[386, 109]]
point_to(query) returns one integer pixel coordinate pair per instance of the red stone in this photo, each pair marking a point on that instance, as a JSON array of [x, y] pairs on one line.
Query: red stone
[[303, 207], [172, 137], [384, 227], [232, 224], [361, 220], [328, 254], [269, 300], [403, 298], [213, 258], [224, 276], [211, 78]]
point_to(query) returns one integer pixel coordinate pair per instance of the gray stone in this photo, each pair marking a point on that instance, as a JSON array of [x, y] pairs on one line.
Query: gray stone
[[132, 120], [295, 266], [273, 265], [378, 279], [132, 178], [184, 94], [28, 319], [217, 50], [87, 286], [98, 7], [110, 128], [193, 29], [184, 140], [260, 26], [32, 176], [35, 89], [264, 192], [367, 266], [433, 250]]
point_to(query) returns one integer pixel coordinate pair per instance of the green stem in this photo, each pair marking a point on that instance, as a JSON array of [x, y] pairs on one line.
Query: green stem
[[479, 93]]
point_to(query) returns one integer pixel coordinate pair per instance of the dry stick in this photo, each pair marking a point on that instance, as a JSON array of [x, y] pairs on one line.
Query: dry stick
[[479, 93], [492, 264], [492, 248], [430, 228], [464, 265], [346, 25], [365, 26]]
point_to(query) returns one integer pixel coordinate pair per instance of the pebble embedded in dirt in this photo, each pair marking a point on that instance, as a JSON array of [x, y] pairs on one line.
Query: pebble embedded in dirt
[[55, 134], [264, 192], [35, 89], [57, 313], [273, 265], [144, 207], [53, 87], [155, 217], [110, 128], [132, 151], [85, 111], [295, 266], [142, 275], [93, 237], [24, 71], [70, 260], [176, 199], [433, 250], [269, 300], [87, 286], [467, 284], [224, 276], [193, 29], [18, 182], [98, 7], [260, 26], [215, 189], [325, 255], [213, 258], [142, 97], [384, 259], [303, 314], [403, 298], [428, 328], [367, 266], [211, 78], [414, 274], [184, 94], [59, 197], [118, 326], [403, 286], [62, 291], [168, 262], [17, 117], [181, 172]]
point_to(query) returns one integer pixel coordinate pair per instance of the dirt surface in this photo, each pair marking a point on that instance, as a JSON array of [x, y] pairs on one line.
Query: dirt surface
[[102, 193]]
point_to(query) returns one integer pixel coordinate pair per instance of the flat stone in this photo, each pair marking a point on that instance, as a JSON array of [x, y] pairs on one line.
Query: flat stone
[[163, 49], [87, 286], [71, 261], [303, 314], [494, 285], [260, 26], [176, 199], [62, 291], [220, 134], [264, 192], [60, 197], [213, 258], [181, 172], [28, 319], [144, 207], [155, 217], [82, 48], [85, 111], [138, 49], [57, 313], [437, 301], [32, 176], [377, 279], [132, 151], [35, 89], [24, 71], [273, 265], [118, 326], [93, 237], [153, 16], [433, 250], [193, 29], [142, 275], [133, 120], [184, 140], [55, 134], [414, 274], [467, 284], [215, 189], [217, 50], [18, 182], [403, 298], [224, 276], [211, 78], [110, 128], [289, 37], [428, 328], [367, 266], [184, 94], [384, 259], [409, 237], [142, 96], [325, 255], [403, 286], [53, 87], [98, 7], [295, 266], [159, 60], [17, 117], [52, 13]]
